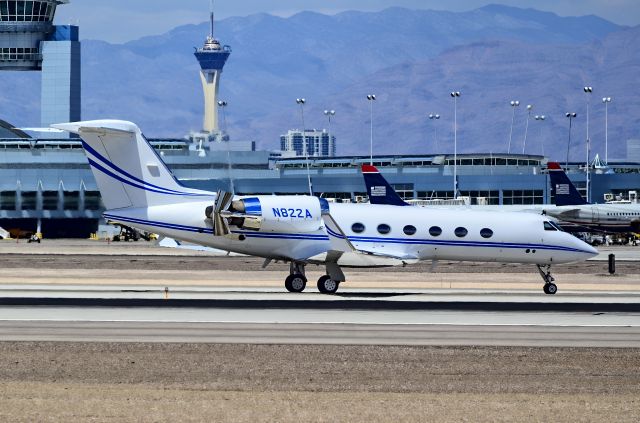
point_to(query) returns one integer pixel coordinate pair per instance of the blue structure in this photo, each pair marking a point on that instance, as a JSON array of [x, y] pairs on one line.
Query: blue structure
[[30, 42]]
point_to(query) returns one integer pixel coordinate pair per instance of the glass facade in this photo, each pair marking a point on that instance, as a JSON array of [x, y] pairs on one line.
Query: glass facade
[[27, 11], [15, 54], [525, 196], [315, 143]]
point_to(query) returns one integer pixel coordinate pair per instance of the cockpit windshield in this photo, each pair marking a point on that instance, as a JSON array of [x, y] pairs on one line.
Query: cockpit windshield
[[551, 226]]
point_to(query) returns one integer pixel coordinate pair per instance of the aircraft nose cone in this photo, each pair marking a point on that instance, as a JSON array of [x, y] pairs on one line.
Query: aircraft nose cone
[[588, 249], [592, 250]]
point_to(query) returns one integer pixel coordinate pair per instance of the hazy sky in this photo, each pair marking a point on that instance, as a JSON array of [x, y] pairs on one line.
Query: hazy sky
[[125, 20]]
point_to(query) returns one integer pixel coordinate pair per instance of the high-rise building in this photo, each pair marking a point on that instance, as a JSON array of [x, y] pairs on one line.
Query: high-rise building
[[633, 150], [315, 144], [212, 58], [30, 42]]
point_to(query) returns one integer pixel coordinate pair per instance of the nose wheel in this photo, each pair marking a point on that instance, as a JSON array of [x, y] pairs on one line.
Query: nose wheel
[[549, 287]]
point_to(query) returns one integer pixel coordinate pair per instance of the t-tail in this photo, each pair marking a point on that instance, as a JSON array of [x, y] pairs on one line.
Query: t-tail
[[127, 169], [565, 192], [378, 189]]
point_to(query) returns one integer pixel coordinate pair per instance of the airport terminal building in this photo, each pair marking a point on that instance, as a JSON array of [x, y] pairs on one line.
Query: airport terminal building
[[46, 185]]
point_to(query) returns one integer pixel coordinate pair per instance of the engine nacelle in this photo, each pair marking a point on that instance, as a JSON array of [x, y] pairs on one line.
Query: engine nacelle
[[271, 213]]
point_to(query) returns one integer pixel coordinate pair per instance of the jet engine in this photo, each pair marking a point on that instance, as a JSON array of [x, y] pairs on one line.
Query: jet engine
[[265, 213]]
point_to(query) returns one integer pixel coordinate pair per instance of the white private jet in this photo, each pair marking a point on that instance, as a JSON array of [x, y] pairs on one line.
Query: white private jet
[[139, 190]]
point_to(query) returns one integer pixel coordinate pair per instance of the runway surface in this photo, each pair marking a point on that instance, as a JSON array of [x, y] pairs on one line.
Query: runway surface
[[71, 290], [378, 317]]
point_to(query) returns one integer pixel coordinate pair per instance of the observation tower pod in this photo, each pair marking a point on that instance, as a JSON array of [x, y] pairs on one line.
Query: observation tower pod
[[212, 58]]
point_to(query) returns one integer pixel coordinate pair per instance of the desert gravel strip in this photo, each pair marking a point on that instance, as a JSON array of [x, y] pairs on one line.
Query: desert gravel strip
[[249, 383]]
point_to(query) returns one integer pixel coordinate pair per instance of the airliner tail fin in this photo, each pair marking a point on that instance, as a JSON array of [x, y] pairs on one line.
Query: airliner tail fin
[[565, 192], [378, 189]]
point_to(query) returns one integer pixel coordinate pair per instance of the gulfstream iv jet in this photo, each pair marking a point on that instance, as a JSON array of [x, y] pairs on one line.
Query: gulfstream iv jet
[[139, 190]]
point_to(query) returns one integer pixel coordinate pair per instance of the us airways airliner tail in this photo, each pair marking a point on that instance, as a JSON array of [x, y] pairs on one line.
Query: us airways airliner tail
[[139, 190]]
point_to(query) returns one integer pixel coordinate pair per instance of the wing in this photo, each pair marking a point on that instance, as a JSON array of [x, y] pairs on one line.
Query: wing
[[344, 253]]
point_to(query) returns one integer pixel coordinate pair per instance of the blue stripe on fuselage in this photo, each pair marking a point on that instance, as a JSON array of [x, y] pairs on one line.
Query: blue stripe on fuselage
[[319, 237]]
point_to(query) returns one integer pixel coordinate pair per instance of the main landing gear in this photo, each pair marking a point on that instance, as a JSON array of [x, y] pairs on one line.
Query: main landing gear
[[297, 281], [326, 285], [549, 287]]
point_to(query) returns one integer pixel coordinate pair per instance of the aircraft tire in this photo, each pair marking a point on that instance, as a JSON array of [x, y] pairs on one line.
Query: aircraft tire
[[327, 286], [295, 283], [550, 288]]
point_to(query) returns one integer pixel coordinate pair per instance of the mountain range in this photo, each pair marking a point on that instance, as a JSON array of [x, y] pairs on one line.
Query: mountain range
[[411, 60]]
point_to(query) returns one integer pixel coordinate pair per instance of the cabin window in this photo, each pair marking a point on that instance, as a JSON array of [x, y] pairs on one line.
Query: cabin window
[[486, 233], [357, 228], [435, 231], [409, 230], [461, 232], [384, 229], [549, 227]]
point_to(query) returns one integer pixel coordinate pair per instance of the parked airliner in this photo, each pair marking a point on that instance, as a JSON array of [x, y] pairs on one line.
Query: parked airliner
[[139, 190], [572, 208], [572, 211]]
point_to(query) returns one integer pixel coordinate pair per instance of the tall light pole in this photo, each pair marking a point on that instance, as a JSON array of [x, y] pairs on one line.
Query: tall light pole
[[435, 118], [301, 102], [526, 128], [455, 95], [541, 118], [514, 104], [223, 106], [571, 116], [606, 101], [329, 114], [371, 98], [588, 91]]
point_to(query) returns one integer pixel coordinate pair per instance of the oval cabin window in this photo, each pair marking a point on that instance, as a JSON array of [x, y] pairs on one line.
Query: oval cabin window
[[384, 229], [435, 231], [409, 230], [357, 228], [486, 233], [461, 232]]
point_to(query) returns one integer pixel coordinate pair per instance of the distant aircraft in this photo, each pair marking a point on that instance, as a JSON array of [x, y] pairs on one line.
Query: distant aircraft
[[572, 208], [139, 190], [572, 211]]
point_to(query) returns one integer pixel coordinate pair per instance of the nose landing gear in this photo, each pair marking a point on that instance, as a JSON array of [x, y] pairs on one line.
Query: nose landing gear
[[549, 287]]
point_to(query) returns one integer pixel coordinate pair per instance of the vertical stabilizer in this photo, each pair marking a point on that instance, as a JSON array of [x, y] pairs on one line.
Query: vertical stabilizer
[[378, 189], [127, 169], [565, 192]]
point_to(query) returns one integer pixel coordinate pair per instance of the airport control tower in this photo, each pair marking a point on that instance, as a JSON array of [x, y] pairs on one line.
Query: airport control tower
[[30, 42], [212, 58]]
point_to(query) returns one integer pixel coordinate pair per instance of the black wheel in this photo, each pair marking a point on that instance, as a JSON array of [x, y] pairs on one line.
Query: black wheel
[[326, 285], [550, 288], [295, 283]]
